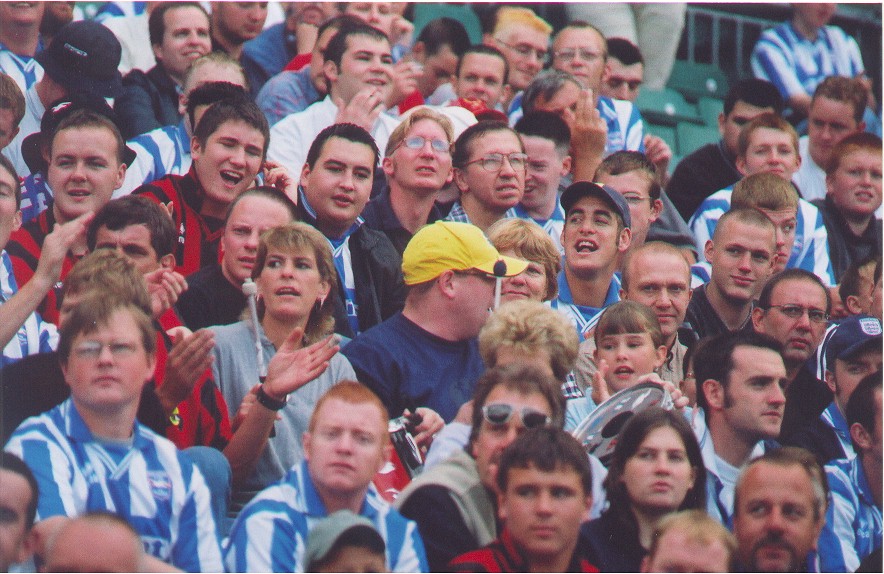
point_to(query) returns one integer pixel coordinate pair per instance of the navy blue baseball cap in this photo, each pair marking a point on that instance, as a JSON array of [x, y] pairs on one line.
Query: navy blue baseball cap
[[852, 335], [581, 189], [83, 57]]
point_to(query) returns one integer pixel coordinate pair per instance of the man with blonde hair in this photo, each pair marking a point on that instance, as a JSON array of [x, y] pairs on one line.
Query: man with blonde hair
[[690, 541], [417, 163], [523, 37]]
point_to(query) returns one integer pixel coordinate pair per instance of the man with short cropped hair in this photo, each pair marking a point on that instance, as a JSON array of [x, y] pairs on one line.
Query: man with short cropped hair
[[234, 24], [546, 138], [523, 37], [626, 70], [345, 445], [690, 541], [544, 487], [358, 67], [335, 186], [482, 74], [179, 34], [779, 510]]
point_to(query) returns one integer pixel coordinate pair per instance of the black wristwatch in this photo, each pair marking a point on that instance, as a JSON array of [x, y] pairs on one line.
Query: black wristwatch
[[269, 402]]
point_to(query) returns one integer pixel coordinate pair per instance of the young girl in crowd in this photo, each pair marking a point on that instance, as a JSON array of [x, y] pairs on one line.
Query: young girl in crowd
[[629, 348]]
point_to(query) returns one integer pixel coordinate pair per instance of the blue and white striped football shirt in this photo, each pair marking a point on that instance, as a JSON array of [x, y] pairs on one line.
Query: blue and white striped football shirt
[[810, 251], [160, 152], [583, 318], [35, 335], [150, 483], [796, 65], [24, 70], [553, 226], [270, 534], [853, 526]]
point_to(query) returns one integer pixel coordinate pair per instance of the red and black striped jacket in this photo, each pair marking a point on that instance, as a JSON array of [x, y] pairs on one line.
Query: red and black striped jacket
[[198, 235], [503, 555], [24, 248]]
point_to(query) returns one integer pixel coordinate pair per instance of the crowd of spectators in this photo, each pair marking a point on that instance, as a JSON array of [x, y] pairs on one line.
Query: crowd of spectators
[[373, 286]]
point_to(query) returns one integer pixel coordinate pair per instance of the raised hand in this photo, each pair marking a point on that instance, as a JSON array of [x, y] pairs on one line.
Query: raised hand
[[294, 366]]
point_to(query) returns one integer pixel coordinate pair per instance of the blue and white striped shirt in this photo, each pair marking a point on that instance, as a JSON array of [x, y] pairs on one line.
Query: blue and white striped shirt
[[160, 152], [24, 70], [35, 335], [270, 534], [853, 526], [583, 318], [150, 483], [553, 226], [796, 65], [626, 130], [36, 196], [810, 251]]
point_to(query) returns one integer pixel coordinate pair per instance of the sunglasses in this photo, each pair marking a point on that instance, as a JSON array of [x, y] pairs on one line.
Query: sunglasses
[[501, 413]]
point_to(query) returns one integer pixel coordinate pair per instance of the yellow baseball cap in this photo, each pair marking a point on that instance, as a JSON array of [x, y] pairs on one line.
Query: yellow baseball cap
[[450, 245]]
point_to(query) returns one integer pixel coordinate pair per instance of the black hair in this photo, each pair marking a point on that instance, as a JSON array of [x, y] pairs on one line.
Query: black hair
[[546, 125], [624, 51], [225, 111], [851, 279], [156, 23], [349, 132], [714, 358], [861, 406], [135, 210], [14, 464], [488, 51], [211, 92], [443, 32], [547, 449], [337, 46], [764, 298], [755, 92]]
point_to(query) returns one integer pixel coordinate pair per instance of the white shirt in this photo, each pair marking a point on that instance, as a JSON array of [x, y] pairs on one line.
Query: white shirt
[[291, 137], [810, 178]]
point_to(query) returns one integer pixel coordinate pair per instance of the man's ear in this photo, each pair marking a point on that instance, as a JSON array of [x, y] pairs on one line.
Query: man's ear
[[167, 261], [714, 393], [656, 210], [501, 506], [853, 306], [830, 379], [709, 251], [330, 71], [624, 240], [741, 165], [566, 166], [445, 282], [758, 319], [460, 180], [861, 437]]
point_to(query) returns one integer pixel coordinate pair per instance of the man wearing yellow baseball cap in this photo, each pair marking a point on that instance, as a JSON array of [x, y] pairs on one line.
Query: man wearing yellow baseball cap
[[427, 355]]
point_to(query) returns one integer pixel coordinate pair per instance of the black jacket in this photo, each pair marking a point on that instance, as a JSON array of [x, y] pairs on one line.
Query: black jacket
[[149, 101], [377, 277], [844, 246]]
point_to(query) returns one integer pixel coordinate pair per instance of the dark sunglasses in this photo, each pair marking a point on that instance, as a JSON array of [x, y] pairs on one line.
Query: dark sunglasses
[[501, 413]]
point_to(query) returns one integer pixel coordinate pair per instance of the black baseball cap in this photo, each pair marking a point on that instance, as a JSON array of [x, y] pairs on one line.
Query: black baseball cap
[[84, 57]]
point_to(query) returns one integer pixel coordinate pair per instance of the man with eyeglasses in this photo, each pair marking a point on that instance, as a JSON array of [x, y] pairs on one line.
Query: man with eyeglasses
[[523, 37], [489, 170], [454, 503], [90, 453], [794, 308], [417, 163]]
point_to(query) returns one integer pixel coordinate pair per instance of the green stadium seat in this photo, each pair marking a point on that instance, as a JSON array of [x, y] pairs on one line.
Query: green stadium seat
[[424, 12], [692, 137], [666, 133], [694, 80], [666, 107], [709, 109]]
